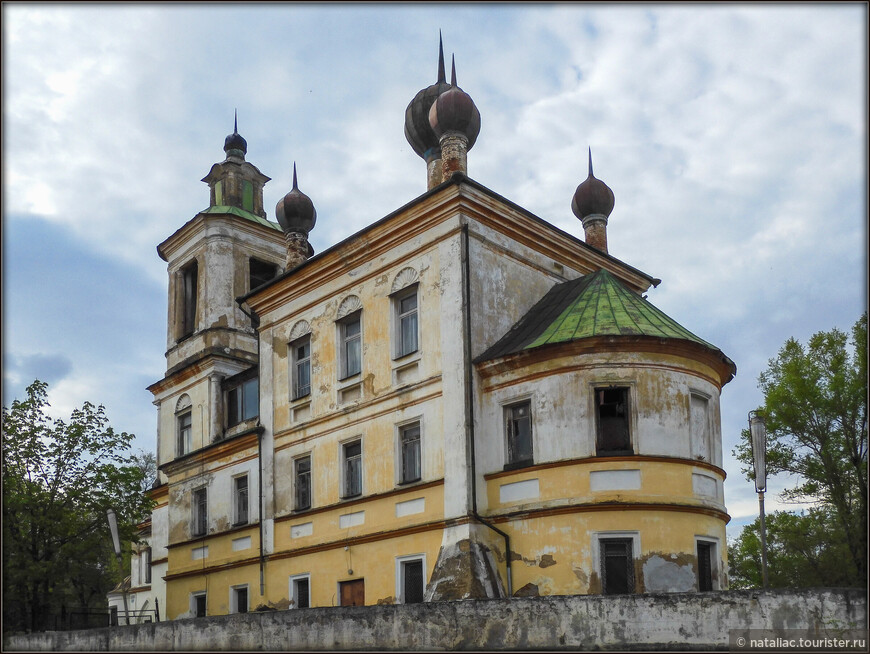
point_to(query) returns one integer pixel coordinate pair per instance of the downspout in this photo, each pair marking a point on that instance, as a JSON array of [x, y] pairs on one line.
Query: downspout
[[255, 323], [469, 408]]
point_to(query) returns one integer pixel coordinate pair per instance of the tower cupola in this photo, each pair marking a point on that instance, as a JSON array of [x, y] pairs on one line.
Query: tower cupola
[[456, 121], [418, 132], [296, 215], [235, 145], [592, 203]]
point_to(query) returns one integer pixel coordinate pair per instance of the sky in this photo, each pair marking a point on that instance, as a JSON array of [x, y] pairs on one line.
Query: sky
[[734, 138]]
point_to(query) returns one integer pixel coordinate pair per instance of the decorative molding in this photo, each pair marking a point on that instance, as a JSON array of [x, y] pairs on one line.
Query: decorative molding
[[300, 329], [404, 278], [349, 305], [183, 403]]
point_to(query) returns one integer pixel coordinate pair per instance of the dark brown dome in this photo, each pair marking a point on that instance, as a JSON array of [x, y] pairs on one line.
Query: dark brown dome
[[235, 141], [592, 196], [417, 129], [295, 211], [455, 111]]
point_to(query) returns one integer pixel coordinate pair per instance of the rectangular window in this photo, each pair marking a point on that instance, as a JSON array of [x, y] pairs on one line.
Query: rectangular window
[[200, 512], [413, 582], [406, 323], [146, 565], [352, 466], [700, 426], [260, 272], [185, 432], [243, 402], [239, 599], [240, 500], [301, 350], [300, 591], [351, 345], [198, 605], [189, 278], [302, 475], [410, 446], [617, 566], [611, 406], [518, 427], [706, 551]]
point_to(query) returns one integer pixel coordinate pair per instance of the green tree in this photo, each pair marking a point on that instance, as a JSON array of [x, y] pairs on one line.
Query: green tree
[[815, 405], [803, 550], [59, 478]]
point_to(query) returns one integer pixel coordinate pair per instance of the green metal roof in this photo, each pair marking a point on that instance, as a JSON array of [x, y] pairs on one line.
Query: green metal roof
[[596, 304], [241, 213]]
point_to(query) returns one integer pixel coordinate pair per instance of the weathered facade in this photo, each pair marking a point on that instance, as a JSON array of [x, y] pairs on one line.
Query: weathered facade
[[459, 401]]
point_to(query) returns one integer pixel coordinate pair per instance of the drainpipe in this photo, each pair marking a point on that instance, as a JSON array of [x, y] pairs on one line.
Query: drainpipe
[[255, 323], [469, 407]]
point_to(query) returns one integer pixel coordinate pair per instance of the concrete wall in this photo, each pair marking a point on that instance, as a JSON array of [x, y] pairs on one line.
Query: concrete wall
[[674, 621]]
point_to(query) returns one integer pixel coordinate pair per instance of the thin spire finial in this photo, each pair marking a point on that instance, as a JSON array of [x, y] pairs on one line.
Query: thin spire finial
[[453, 70], [441, 76], [294, 177], [590, 162], [235, 121]]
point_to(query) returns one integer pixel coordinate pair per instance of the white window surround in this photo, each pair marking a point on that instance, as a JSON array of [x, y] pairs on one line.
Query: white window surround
[[342, 458], [400, 572], [350, 346], [293, 588], [300, 368], [598, 536], [193, 596], [715, 555], [406, 344], [234, 607], [633, 433], [505, 407], [241, 507]]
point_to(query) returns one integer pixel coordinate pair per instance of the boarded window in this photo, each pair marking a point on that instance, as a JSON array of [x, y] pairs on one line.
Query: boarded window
[[613, 417], [617, 566], [700, 427]]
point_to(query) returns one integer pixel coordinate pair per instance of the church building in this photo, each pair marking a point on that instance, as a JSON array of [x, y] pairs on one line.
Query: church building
[[458, 401]]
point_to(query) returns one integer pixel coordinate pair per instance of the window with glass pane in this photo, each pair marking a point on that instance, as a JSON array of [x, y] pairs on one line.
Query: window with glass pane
[[189, 277], [200, 512], [407, 308], [353, 469], [241, 500], [184, 433], [303, 483], [519, 434], [301, 367], [617, 566], [413, 584], [351, 346], [410, 437], [243, 402]]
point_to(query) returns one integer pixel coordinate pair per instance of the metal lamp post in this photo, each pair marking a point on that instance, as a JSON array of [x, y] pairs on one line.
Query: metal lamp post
[[113, 527], [758, 431]]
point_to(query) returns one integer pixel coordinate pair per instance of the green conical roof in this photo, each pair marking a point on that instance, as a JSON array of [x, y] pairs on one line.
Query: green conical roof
[[596, 304]]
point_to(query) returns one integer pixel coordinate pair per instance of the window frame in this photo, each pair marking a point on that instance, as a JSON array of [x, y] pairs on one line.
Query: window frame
[[399, 316], [194, 596], [234, 598], [512, 462], [713, 544], [401, 562], [184, 441], [634, 552], [252, 261], [296, 484], [296, 391], [402, 429], [198, 519], [145, 561], [188, 279], [344, 341], [628, 389], [344, 460], [236, 400], [238, 519], [293, 590]]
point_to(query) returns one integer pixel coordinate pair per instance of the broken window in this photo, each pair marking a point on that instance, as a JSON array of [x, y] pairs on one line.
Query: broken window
[[617, 566], [352, 466], [705, 565], [260, 272], [302, 474], [410, 448], [242, 397], [200, 512], [240, 499], [301, 349], [612, 409], [189, 278], [518, 426]]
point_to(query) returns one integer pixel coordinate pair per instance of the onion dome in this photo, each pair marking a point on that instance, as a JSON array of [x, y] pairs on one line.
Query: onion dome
[[592, 197], [417, 129], [455, 111], [234, 143], [295, 211]]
